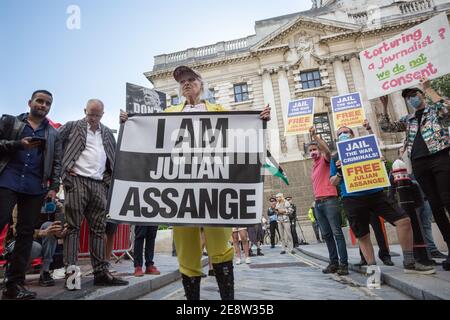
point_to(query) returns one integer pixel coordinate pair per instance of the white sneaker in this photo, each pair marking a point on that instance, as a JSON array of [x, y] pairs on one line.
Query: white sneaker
[[238, 261], [59, 273], [248, 260]]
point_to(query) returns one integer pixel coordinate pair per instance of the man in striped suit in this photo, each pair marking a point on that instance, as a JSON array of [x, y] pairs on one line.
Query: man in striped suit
[[87, 164]]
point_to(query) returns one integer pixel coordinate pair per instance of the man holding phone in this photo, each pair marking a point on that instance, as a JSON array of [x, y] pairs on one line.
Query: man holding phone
[[30, 167]]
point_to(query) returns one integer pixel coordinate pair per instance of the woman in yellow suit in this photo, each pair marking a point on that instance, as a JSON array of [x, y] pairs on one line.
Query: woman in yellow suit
[[187, 239]]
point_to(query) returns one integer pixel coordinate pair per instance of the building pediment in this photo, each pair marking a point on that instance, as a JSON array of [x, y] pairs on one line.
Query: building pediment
[[303, 28]]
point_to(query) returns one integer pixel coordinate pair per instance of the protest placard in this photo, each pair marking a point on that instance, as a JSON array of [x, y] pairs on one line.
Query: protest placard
[[347, 110], [189, 169], [362, 166], [400, 62], [300, 117], [141, 100]]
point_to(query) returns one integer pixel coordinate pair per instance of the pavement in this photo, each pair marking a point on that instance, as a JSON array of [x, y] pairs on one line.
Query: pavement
[[137, 287], [420, 287], [285, 277], [271, 277]]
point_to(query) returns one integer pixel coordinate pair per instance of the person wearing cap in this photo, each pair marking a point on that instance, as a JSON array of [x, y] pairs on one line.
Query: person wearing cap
[[284, 209], [428, 145], [187, 239]]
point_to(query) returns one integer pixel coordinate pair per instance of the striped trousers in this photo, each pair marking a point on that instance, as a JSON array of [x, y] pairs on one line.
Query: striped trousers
[[85, 197]]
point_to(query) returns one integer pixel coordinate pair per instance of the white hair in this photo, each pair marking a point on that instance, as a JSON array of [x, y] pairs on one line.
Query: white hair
[[205, 94]]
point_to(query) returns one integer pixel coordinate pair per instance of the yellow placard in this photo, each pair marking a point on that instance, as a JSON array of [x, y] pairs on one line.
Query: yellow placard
[[349, 118], [365, 175], [299, 125]]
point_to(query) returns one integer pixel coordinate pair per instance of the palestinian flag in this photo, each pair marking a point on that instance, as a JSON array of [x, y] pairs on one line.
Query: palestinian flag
[[274, 168]]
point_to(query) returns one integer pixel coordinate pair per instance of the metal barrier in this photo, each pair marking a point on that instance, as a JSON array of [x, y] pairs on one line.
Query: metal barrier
[[122, 241]]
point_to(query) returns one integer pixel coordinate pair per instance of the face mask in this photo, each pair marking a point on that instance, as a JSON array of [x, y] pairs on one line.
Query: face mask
[[314, 154], [414, 102], [344, 137]]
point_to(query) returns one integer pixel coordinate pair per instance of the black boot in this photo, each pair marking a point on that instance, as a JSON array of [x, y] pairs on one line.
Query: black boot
[[259, 252], [225, 279], [191, 287]]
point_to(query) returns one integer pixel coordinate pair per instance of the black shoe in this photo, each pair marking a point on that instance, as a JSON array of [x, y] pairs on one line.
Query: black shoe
[[105, 278], [438, 255], [361, 263], [343, 270], [211, 273], [46, 280], [259, 252], [331, 268], [191, 287], [225, 279], [204, 275], [283, 252], [16, 291], [251, 254], [387, 261], [272, 247], [446, 264]]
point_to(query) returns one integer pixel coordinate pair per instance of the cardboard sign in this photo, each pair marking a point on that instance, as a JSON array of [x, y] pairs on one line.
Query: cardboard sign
[[362, 167], [195, 168], [300, 116], [347, 110], [400, 62]]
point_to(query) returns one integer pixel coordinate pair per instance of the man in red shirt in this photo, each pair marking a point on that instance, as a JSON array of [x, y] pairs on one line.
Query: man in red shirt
[[327, 206]]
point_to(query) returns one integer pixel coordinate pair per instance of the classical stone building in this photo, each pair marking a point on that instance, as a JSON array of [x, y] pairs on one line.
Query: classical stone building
[[314, 53]]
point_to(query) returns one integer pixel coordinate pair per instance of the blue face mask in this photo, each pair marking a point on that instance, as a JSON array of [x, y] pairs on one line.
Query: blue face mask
[[414, 102], [344, 137]]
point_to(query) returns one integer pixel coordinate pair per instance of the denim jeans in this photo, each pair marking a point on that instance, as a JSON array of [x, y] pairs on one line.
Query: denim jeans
[[425, 215], [329, 219], [147, 234], [49, 245]]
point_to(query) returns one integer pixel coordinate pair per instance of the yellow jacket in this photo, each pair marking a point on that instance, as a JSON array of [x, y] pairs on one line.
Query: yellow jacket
[[210, 107], [311, 215]]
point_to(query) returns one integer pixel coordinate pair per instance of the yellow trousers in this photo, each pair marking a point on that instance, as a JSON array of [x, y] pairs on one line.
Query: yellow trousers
[[189, 247]]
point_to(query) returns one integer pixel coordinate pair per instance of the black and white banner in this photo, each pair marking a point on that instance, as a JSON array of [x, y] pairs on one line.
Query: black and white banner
[[190, 169]]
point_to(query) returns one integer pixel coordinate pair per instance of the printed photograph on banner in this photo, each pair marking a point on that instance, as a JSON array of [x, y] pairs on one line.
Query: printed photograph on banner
[[362, 167], [347, 111], [141, 100], [300, 116], [401, 61], [190, 169]]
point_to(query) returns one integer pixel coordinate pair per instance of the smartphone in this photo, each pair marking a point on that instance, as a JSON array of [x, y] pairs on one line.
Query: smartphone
[[34, 139], [59, 216]]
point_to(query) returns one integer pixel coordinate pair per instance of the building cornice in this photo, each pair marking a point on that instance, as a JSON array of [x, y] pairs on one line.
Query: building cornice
[[392, 26]]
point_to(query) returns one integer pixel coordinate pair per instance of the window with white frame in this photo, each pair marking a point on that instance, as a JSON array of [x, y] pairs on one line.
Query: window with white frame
[[310, 79]]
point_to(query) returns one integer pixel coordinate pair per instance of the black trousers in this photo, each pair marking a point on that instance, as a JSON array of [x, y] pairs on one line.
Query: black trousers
[[433, 175], [383, 251], [147, 234], [294, 232], [28, 210], [273, 227]]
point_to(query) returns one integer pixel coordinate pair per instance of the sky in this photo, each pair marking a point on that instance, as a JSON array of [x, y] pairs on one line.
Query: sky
[[114, 44]]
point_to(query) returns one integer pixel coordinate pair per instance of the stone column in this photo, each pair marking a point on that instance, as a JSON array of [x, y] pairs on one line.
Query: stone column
[[358, 79], [285, 98], [398, 105], [341, 79], [272, 126]]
